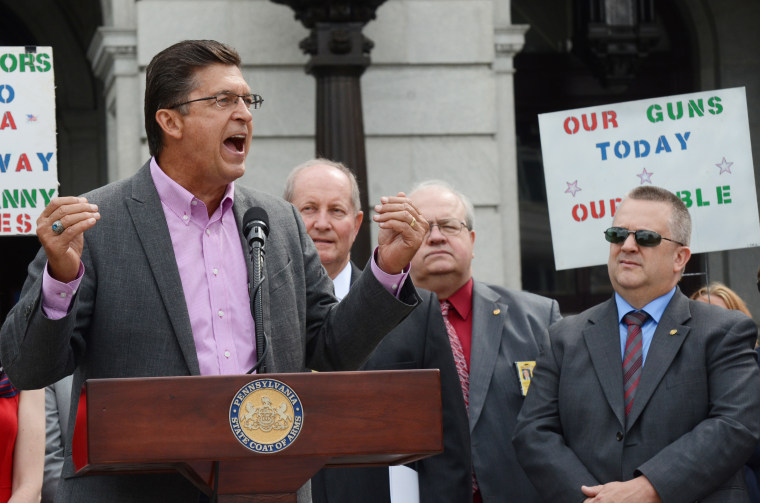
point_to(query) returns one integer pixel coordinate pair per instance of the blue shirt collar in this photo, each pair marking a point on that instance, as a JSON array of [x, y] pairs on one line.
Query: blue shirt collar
[[654, 309]]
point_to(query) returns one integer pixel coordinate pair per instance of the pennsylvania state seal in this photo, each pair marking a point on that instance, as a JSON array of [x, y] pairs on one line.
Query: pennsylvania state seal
[[266, 415]]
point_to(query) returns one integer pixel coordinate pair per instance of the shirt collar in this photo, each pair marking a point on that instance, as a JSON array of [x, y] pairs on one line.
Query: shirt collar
[[178, 199], [461, 300], [654, 309], [342, 282]]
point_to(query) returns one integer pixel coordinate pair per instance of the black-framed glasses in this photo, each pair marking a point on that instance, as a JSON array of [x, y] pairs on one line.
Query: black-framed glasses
[[448, 226], [618, 235], [225, 99]]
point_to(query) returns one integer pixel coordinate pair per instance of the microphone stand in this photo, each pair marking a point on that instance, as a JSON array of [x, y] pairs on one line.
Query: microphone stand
[[256, 279]]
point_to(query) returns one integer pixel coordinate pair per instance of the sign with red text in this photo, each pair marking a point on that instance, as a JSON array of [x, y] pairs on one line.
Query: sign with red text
[[695, 145], [28, 160]]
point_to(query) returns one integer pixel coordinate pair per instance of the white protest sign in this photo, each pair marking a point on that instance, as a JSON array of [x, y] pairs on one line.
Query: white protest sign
[[695, 145], [28, 159]]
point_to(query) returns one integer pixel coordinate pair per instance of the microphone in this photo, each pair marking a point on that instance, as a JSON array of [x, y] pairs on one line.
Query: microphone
[[256, 226], [256, 230]]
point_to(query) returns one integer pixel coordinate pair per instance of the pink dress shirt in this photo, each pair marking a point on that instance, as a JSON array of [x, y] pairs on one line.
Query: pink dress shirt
[[214, 275]]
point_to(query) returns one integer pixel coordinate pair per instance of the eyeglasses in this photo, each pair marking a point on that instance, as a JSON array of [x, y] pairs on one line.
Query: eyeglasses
[[224, 100], [448, 227], [618, 235]]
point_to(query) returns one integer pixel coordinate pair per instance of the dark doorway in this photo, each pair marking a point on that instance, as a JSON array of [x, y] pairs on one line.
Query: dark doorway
[[552, 73], [68, 28]]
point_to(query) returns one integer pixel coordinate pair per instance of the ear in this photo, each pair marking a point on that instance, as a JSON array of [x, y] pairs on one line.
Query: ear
[[358, 222], [681, 257], [171, 122]]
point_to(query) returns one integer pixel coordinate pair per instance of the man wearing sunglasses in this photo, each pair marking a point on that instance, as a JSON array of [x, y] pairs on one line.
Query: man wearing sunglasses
[[159, 284], [649, 396]]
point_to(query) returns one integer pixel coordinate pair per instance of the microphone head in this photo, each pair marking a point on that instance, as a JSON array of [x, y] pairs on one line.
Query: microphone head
[[256, 216]]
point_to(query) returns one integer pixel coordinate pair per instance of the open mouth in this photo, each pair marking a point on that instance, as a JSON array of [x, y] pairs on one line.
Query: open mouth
[[236, 142]]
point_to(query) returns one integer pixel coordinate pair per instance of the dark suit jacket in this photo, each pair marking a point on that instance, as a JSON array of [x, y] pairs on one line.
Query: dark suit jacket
[[695, 417], [752, 468], [508, 326], [129, 318]]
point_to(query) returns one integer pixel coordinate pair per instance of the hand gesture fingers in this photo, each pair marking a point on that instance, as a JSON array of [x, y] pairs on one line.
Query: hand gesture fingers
[[60, 229], [402, 231]]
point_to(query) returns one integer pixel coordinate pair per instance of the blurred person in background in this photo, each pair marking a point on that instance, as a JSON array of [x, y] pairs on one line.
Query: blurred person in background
[[718, 294], [22, 442]]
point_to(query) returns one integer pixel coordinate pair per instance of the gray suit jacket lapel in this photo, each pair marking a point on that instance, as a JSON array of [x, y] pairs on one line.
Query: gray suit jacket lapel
[[148, 218], [487, 330], [603, 343], [662, 351]]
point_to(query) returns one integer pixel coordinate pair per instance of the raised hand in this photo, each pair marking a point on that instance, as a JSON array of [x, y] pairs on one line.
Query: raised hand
[[402, 230], [60, 229]]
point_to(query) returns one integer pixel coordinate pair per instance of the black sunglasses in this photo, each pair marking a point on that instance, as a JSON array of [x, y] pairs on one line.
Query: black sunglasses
[[618, 235]]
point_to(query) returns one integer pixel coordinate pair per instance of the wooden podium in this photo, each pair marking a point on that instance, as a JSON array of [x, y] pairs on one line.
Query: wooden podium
[[184, 424]]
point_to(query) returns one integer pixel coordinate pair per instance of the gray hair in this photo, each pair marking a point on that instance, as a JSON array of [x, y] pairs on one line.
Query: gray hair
[[290, 183], [469, 216], [680, 220]]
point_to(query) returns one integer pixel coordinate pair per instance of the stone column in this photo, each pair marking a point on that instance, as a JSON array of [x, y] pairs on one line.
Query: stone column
[[508, 41], [339, 55], [113, 53]]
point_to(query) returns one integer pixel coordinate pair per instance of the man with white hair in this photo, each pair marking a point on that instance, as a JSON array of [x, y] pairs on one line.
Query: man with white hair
[[327, 196]]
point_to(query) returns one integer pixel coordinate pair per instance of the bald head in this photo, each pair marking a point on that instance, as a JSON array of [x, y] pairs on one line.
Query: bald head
[[443, 264]]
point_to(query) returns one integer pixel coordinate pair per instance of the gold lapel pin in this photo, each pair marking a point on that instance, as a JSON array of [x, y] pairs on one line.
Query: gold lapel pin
[[673, 332], [496, 311]]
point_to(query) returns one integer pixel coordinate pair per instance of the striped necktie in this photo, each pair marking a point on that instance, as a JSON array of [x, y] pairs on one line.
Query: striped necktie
[[7, 389], [633, 357]]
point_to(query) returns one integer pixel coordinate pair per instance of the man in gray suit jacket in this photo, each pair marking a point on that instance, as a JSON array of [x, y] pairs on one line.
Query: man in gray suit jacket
[[649, 396], [159, 285], [499, 331]]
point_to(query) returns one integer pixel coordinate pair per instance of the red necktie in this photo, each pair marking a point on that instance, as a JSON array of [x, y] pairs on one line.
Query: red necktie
[[456, 348], [633, 356], [461, 363]]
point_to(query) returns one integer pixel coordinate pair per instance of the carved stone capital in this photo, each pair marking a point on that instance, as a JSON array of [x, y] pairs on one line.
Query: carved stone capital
[[113, 52], [508, 41], [311, 12]]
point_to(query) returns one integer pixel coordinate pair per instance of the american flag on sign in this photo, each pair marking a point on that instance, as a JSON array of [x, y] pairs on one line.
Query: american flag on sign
[[31, 118]]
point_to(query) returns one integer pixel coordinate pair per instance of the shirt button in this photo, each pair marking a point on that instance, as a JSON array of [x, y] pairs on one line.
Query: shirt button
[[63, 295], [226, 354], [394, 286], [220, 313], [185, 218], [208, 232], [194, 202], [215, 271]]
